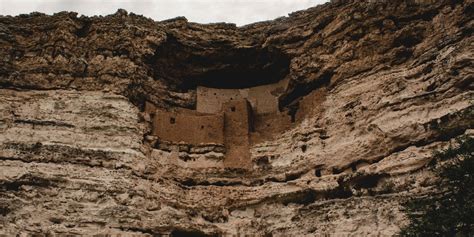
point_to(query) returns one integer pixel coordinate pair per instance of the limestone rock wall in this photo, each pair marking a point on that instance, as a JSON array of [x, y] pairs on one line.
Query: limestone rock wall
[[375, 86]]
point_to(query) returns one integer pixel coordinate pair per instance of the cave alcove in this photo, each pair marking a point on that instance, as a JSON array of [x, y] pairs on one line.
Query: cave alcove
[[217, 65]]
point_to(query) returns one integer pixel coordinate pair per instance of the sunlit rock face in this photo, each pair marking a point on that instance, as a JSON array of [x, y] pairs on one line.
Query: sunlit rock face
[[344, 105]]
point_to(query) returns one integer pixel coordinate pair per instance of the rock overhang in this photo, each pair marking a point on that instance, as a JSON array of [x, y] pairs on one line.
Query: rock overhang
[[223, 65]]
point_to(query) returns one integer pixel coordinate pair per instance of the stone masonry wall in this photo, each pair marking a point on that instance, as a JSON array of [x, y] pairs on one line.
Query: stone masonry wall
[[76, 156], [188, 127], [237, 125], [264, 99]]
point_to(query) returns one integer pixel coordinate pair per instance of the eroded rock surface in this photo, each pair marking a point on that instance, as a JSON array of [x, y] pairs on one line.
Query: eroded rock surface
[[374, 87]]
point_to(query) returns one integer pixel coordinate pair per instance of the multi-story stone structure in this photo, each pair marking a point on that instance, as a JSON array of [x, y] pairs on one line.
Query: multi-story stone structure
[[232, 118]]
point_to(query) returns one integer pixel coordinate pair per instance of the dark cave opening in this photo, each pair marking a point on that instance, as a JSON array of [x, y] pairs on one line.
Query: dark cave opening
[[4, 211], [299, 90], [245, 68], [317, 172], [217, 65]]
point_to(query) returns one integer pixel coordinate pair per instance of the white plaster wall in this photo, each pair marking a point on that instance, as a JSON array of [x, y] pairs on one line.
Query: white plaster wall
[[264, 99]]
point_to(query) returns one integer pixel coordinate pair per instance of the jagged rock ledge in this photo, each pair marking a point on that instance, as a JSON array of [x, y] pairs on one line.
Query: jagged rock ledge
[[375, 88]]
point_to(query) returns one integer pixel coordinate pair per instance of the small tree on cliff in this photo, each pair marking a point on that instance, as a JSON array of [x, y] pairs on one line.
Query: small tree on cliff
[[450, 213]]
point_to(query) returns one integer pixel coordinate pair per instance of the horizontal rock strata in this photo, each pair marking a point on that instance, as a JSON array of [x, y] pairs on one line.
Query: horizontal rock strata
[[374, 86]]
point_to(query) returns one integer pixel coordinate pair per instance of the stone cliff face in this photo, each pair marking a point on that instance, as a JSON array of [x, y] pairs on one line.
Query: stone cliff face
[[375, 87]]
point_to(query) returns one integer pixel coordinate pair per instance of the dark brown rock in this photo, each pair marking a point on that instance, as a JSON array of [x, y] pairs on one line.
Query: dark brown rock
[[374, 87]]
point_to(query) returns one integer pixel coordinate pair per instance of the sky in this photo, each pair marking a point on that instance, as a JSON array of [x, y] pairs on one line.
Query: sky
[[240, 12]]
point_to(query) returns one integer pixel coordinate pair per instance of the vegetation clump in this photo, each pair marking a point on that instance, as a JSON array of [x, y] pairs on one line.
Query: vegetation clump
[[450, 212]]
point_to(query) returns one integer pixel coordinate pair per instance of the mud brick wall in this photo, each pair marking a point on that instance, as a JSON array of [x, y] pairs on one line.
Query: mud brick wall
[[237, 126], [188, 127], [263, 99]]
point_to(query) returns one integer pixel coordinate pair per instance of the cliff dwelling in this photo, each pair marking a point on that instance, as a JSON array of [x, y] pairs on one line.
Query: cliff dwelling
[[231, 118], [321, 123]]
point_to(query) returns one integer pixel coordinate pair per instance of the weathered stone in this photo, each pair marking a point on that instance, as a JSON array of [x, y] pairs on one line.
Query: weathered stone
[[374, 87]]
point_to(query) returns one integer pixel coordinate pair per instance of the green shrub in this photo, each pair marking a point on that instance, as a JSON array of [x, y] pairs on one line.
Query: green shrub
[[450, 212]]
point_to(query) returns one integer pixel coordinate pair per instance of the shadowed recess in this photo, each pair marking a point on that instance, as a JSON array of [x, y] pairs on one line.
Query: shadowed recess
[[221, 65]]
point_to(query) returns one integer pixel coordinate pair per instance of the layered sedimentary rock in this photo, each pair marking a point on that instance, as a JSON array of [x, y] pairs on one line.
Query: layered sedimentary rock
[[374, 87]]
